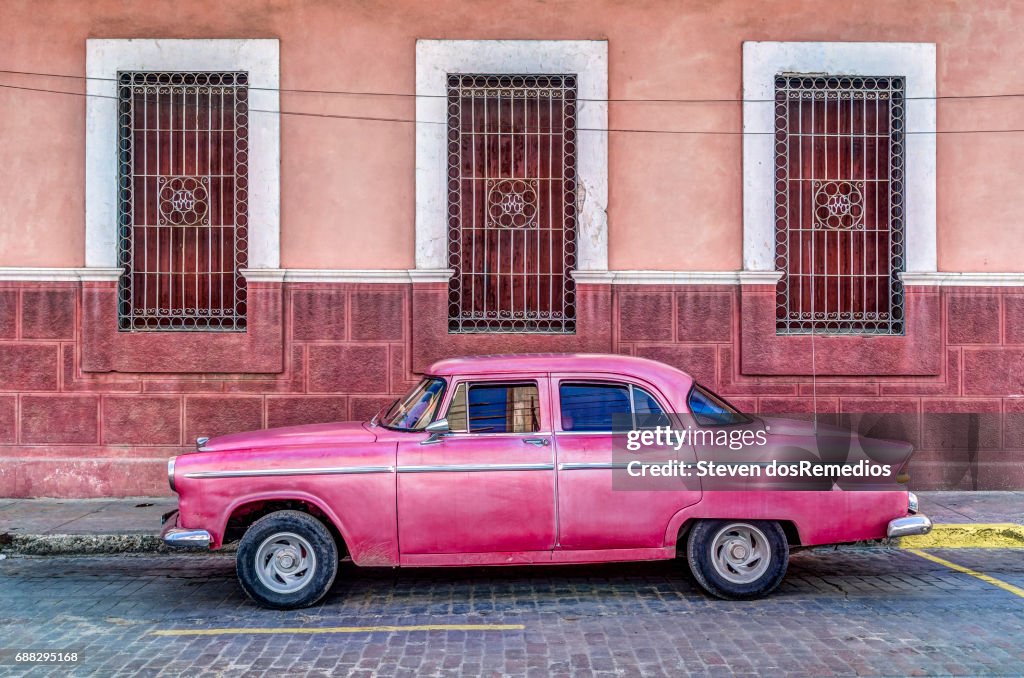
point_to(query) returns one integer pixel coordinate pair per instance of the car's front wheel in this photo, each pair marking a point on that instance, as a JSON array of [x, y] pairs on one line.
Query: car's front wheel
[[287, 559], [738, 559]]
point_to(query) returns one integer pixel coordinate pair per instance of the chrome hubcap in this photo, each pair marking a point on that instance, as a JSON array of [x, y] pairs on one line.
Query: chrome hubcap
[[285, 562], [740, 553]]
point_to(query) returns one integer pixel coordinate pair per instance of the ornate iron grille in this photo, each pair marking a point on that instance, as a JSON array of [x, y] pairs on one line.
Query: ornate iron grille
[[183, 200], [512, 203], [839, 204]]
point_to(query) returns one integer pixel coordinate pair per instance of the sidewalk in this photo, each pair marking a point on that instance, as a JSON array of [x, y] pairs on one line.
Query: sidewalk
[[80, 526], [83, 526]]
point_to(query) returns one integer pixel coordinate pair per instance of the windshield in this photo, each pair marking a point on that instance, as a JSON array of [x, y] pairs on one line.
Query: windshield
[[417, 408]]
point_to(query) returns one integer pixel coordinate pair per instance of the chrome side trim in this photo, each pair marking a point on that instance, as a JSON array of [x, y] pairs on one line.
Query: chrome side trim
[[469, 468], [589, 433], [256, 473], [460, 435], [590, 465], [904, 527], [181, 537]]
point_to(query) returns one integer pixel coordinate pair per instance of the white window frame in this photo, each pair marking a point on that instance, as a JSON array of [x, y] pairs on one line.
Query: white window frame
[[763, 61], [259, 57], [435, 59]]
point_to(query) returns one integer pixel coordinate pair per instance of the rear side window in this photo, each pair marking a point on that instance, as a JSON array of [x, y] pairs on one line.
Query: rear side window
[[495, 408], [592, 407]]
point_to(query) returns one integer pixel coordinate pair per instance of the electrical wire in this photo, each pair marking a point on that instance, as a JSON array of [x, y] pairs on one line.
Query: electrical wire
[[613, 130], [665, 100]]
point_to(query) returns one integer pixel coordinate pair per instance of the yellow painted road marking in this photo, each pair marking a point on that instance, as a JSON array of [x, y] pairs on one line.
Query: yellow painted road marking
[[1016, 590], [340, 629], [968, 536]]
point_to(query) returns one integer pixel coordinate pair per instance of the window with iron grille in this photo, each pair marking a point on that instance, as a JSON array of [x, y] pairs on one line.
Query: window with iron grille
[[183, 197], [512, 203], [839, 204]]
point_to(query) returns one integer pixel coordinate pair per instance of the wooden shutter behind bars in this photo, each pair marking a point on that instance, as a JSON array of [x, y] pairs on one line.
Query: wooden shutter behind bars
[[184, 196], [839, 204], [512, 203]]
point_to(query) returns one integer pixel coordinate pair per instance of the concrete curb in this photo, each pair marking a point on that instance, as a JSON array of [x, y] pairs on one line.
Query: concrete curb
[[89, 545]]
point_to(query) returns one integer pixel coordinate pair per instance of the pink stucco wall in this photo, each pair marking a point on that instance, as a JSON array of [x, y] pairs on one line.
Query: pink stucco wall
[[348, 187]]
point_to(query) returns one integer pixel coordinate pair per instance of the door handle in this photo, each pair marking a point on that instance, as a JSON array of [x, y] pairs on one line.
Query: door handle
[[539, 442]]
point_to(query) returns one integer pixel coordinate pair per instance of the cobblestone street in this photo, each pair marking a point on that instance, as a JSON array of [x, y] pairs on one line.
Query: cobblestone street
[[850, 612]]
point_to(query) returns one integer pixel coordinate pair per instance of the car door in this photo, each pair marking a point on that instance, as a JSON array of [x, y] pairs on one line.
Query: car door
[[488, 486], [594, 514]]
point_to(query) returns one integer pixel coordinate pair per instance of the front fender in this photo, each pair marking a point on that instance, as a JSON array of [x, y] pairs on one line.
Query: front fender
[[277, 495], [353, 485], [364, 514]]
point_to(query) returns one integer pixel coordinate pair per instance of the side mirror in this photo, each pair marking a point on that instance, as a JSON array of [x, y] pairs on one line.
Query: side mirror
[[437, 430]]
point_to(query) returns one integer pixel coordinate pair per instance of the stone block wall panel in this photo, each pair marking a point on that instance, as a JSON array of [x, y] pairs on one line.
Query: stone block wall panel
[[334, 351], [48, 313]]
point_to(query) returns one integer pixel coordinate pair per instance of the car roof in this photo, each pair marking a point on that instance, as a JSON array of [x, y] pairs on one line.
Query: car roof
[[556, 362]]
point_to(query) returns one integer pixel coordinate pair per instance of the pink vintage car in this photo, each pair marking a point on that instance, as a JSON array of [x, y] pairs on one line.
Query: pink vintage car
[[508, 460]]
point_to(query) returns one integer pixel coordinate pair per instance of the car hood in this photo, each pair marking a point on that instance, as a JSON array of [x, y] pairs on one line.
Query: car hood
[[290, 436]]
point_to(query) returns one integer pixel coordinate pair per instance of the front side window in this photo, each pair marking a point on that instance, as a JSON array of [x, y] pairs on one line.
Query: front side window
[[183, 199], [494, 408], [512, 203], [417, 408], [589, 407], [839, 204], [710, 410]]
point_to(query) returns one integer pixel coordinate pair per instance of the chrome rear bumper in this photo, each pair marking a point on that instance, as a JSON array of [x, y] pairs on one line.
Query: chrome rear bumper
[[183, 537], [909, 525]]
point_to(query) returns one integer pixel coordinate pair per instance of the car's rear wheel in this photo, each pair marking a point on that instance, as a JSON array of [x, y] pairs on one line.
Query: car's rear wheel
[[287, 559], [738, 559]]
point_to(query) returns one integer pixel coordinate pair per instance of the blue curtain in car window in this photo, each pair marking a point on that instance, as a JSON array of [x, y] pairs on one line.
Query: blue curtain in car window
[[505, 408], [488, 407], [590, 407]]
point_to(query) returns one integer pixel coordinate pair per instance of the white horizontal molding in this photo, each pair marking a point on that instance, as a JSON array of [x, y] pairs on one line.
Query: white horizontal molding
[[676, 277], [759, 277], [431, 275], [41, 274], [946, 279], [593, 277], [315, 275], [383, 276], [270, 275]]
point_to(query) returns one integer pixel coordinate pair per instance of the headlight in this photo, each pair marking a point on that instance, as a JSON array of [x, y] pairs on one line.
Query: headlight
[[911, 502], [170, 473]]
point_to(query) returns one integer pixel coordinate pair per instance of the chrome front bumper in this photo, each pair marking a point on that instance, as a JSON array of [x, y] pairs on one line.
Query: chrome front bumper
[[183, 537], [909, 525]]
